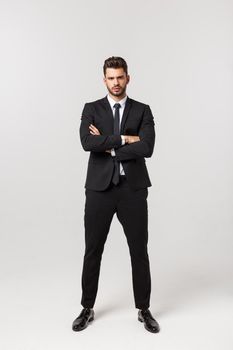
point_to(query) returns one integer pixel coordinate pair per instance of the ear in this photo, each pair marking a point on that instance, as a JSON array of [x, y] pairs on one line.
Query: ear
[[128, 78]]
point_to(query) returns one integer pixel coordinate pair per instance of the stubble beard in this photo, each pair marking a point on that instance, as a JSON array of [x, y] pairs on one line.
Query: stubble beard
[[120, 93]]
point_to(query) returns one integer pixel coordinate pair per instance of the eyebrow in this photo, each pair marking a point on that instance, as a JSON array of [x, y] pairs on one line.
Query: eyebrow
[[119, 76]]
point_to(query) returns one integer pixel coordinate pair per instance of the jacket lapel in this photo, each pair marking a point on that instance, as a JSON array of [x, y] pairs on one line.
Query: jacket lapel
[[125, 114], [108, 113]]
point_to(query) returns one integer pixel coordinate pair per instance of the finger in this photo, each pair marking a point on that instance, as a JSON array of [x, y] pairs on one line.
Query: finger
[[94, 128]]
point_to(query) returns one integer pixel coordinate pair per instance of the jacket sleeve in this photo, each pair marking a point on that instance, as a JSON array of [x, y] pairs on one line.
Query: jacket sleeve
[[144, 147], [96, 143]]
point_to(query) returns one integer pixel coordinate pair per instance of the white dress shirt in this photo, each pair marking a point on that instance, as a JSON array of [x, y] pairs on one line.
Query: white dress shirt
[[121, 110]]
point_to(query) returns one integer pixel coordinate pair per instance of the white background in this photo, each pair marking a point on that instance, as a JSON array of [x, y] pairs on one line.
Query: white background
[[180, 56]]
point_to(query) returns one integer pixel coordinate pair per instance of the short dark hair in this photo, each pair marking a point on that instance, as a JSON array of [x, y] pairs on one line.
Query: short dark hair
[[115, 62]]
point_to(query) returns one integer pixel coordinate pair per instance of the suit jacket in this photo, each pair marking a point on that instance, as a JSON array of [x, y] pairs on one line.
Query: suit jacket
[[138, 120]]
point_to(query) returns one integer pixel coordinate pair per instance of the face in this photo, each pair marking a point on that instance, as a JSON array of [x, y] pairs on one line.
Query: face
[[116, 81]]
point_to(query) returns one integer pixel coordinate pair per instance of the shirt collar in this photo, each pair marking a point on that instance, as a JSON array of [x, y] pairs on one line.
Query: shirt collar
[[112, 101]]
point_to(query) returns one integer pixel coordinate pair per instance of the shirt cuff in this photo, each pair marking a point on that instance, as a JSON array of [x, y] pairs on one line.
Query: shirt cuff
[[122, 140], [113, 153]]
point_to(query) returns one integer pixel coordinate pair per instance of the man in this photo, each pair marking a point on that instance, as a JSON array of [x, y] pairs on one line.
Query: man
[[118, 132]]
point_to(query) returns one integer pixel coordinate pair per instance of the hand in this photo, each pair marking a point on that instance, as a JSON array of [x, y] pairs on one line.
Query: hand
[[94, 130], [131, 139]]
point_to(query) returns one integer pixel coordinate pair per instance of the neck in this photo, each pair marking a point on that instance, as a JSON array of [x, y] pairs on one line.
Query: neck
[[117, 98]]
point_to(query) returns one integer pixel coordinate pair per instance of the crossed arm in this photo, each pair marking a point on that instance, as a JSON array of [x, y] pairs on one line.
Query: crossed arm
[[126, 138], [138, 146]]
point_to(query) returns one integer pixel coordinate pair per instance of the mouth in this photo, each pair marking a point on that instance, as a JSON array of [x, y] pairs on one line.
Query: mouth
[[116, 88]]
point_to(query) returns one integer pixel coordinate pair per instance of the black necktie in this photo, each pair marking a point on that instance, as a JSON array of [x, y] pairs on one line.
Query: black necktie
[[117, 106], [116, 173]]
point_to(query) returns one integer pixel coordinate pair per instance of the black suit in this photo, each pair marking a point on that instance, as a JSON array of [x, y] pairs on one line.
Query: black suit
[[128, 199], [137, 120]]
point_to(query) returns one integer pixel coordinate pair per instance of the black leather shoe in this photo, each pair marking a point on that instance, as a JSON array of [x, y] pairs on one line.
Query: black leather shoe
[[82, 321], [149, 322]]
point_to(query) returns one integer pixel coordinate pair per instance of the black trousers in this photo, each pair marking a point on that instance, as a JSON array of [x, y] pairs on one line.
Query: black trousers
[[131, 209]]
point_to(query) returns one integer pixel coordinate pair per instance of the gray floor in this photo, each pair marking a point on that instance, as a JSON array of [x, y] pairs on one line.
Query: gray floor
[[39, 305]]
